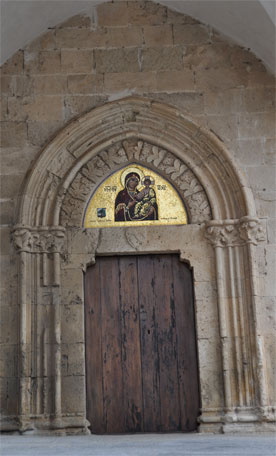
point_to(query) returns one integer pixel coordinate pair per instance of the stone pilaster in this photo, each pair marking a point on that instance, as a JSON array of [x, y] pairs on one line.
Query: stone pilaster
[[39, 249], [242, 362]]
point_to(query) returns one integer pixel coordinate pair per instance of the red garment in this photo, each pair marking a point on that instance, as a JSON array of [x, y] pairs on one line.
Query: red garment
[[124, 214]]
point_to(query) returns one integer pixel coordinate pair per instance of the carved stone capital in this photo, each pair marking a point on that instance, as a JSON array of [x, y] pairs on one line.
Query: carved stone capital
[[42, 239], [230, 233], [251, 230], [223, 235]]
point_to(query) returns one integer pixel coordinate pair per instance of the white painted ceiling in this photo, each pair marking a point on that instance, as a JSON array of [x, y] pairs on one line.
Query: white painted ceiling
[[250, 23]]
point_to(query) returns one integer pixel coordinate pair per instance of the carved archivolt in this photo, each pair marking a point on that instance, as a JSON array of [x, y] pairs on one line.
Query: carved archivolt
[[129, 151], [101, 141]]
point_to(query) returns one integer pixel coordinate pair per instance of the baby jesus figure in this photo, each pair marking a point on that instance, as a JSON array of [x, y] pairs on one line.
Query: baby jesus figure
[[146, 205]]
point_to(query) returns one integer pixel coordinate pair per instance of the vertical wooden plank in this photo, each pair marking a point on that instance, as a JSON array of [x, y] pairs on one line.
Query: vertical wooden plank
[[149, 344], [111, 343], [186, 346], [167, 345], [130, 336], [140, 345], [94, 372]]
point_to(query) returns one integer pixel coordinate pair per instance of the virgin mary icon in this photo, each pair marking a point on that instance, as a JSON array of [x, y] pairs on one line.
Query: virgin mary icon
[[133, 204]]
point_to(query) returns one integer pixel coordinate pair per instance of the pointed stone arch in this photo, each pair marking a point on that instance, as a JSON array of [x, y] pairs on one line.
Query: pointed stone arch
[[49, 237]]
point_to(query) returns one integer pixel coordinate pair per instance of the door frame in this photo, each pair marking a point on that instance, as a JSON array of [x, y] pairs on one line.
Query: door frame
[[150, 240]]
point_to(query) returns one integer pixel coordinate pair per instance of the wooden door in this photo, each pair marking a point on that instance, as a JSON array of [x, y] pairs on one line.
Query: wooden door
[[141, 360]]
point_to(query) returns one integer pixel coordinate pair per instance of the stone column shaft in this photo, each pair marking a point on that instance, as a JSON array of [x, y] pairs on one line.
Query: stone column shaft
[[42, 242], [234, 241]]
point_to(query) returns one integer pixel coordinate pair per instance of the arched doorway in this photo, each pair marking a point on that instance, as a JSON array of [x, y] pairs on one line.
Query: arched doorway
[[54, 250]]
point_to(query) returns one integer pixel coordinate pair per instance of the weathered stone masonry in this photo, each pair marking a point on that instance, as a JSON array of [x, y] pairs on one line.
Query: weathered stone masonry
[[215, 143]]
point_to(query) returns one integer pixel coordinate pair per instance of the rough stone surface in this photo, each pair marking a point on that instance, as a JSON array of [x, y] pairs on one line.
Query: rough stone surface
[[117, 60], [162, 58], [137, 48]]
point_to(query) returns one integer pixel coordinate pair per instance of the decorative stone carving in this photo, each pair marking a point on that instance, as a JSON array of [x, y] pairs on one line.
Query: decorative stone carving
[[223, 236], [230, 233], [108, 160], [134, 239], [132, 149], [39, 240], [199, 206], [251, 230], [22, 239]]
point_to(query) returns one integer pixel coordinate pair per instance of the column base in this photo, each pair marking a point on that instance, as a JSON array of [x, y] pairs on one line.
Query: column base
[[9, 424], [45, 425], [249, 428], [238, 420]]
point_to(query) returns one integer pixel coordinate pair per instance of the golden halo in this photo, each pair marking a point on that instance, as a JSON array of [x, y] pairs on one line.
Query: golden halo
[[131, 170], [149, 178]]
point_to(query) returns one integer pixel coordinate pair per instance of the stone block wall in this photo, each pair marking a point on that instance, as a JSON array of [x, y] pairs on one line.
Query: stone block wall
[[139, 48]]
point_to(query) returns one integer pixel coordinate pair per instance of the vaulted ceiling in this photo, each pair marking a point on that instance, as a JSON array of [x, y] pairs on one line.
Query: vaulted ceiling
[[250, 23]]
